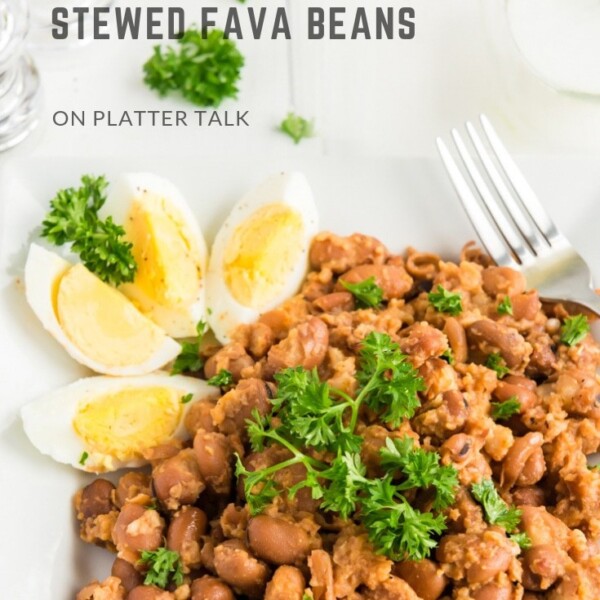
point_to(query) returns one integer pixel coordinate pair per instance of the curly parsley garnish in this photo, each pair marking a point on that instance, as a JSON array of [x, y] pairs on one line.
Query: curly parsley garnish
[[309, 414], [222, 379], [394, 527], [164, 567], [366, 293], [505, 410], [297, 127], [497, 512], [73, 218], [495, 362], [204, 68], [445, 302], [389, 382], [422, 469], [574, 329], [189, 359], [505, 306]]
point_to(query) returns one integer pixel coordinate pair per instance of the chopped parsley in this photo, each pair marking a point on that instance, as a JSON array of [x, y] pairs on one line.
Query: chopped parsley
[[522, 539], [187, 398], [152, 505], [221, 379], [505, 410], [497, 512], [189, 359], [505, 306], [445, 302], [366, 293], [448, 356], [73, 218], [309, 414], [296, 127], [164, 567], [574, 329], [495, 362], [203, 67], [83, 458]]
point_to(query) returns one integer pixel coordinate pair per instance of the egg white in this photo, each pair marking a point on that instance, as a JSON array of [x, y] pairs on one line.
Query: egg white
[[48, 421], [130, 187], [43, 270], [224, 312]]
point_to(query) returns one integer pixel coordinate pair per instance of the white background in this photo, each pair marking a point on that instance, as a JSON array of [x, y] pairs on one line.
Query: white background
[[382, 98]]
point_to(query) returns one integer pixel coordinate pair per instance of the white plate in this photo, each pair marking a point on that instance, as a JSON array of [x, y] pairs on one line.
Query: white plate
[[403, 203]]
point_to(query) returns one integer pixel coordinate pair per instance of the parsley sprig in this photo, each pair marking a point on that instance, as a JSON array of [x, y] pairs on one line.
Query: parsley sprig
[[394, 527], [205, 68], [501, 411], [497, 512], [421, 468], [73, 218], [297, 127], [389, 382], [309, 418], [574, 329], [189, 359], [311, 414], [164, 567], [445, 302], [318, 416], [367, 293]]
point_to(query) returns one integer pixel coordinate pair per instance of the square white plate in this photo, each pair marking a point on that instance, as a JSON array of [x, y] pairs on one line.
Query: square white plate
[[407, 202]]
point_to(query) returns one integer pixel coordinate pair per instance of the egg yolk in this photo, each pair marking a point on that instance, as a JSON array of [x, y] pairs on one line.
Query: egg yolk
[[169, 265], [102, 322], [261, 253], [124, 423]]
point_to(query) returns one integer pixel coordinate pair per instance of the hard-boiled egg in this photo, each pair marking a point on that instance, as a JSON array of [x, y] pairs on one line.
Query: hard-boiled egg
[[96, 324], [101, 424], [260, 255], [168, 247]]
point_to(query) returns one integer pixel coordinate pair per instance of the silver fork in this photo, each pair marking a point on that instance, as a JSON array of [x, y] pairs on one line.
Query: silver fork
[[512, 224]]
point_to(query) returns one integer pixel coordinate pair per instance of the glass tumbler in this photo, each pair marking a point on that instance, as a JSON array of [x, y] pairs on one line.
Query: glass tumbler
[[19, 80]]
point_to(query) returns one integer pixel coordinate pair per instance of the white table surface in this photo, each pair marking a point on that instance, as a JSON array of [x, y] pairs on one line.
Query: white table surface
[[382, 98]]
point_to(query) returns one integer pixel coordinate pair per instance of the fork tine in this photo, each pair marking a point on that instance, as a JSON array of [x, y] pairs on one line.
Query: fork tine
[[504, 226], [533, 237], [489, 237], [529, 199]]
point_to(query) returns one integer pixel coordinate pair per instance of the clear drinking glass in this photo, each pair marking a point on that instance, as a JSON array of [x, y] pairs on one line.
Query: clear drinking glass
[[19, 80]]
